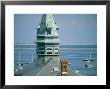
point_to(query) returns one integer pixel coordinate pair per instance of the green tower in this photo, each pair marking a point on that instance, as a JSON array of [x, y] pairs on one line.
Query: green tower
[[47, 44]]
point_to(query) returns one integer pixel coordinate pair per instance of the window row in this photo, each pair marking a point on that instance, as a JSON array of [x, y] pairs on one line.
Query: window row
[[48, 51]]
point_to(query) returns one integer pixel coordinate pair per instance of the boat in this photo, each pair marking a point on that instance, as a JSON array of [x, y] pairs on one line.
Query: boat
[[18, 70], [88, 65], [88, 59]]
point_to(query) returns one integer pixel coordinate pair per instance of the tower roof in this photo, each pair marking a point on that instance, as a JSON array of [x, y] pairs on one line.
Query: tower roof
[[47, 30], [47, 19], [47, 24]]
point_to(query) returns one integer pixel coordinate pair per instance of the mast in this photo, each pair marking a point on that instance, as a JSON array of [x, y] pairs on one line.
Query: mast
[[19, 57], [90, 55]]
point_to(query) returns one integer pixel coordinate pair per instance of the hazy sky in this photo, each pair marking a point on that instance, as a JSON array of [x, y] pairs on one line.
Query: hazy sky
[[75, 29]]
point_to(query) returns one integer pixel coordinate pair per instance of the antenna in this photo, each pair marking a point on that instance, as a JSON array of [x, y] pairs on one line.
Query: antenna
[[19, 57], [90, 55], [32, 58]]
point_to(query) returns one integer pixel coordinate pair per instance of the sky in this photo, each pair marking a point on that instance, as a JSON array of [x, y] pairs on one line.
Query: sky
[[74, 29]]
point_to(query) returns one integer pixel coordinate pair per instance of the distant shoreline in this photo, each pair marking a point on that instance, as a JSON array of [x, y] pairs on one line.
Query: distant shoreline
[[78, 48], [59, 48]]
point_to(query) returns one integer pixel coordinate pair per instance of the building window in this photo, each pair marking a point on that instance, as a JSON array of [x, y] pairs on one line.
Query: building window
[[49, 32], [41, 50], [56, 48], [49, 48], [49, 52], [49, 29], [56, 51]]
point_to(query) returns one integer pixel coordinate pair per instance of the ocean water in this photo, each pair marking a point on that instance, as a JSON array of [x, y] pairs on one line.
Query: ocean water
[[75, 54]]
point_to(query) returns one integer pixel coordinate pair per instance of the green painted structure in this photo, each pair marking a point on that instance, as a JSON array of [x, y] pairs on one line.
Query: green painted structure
[[47, 62], [47, 39]]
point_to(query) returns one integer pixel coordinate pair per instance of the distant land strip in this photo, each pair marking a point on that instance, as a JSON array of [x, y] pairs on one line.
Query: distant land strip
[[59, 48]]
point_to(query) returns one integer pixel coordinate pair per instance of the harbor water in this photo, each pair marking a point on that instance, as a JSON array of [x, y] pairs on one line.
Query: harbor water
[[75, 54]]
